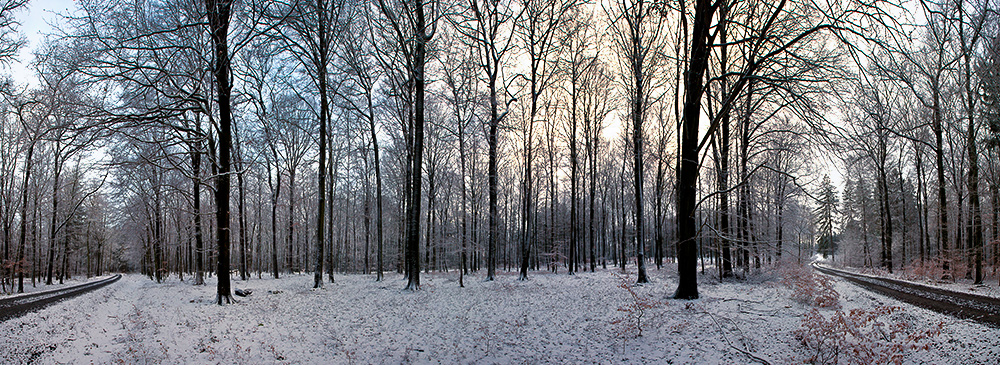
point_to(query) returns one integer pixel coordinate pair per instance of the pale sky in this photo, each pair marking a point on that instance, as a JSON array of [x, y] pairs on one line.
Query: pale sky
[[34, 25]]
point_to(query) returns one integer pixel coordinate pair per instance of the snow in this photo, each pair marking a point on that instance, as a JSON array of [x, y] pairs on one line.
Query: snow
[[961, 284], [551, 318], [41, 287]]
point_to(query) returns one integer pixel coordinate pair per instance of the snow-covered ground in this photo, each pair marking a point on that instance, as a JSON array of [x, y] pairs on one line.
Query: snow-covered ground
[[547, 319]]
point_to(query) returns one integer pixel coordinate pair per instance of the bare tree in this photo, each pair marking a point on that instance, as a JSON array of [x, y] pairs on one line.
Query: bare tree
[[488, 29], [638, 41], [357, 55], [460, 93], [539, 33], [218, 14], [309, 31]]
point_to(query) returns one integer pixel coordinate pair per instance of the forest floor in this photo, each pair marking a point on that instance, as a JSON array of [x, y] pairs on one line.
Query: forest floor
[[551, 318]]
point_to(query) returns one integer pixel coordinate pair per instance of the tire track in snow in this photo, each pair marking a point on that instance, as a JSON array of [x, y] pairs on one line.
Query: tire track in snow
[[962, 305], [19, 305]]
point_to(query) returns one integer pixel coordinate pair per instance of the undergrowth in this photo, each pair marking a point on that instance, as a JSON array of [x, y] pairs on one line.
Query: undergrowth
[[635, 309], [810, 288], [877, 336]]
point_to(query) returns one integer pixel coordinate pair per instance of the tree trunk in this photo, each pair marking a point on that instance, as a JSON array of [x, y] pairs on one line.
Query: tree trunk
[[942, 195], [57, 170], [413, 216], [29, 161], [218, 13], [289, 239], [723, 182], [158, 228], [574, 230], [378, 190], [687, 259], [465, 214], [323, 52], [243, 212], [921, 203], [275, 194], [494, 231], [199, 245]]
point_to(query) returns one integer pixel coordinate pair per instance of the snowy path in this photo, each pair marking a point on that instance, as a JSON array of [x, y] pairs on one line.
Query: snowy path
[[19, 305], [963, 305]]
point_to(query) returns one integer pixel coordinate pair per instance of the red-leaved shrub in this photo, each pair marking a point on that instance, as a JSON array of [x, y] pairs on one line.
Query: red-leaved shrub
[[862, 336], [634, 309], [810, 288]]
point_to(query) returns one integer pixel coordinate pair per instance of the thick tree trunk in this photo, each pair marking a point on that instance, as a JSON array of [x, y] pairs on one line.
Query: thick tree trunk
[[323, 44], [687, 258], [638, 114], [743, 218], [158, 228], [526, 184], [921, 203], [413, 214], [574, 230], [723, 182], [494, 229], [464, 270], [218, 13], [596, 138], [974, 233], [290, 234], [885, 216]]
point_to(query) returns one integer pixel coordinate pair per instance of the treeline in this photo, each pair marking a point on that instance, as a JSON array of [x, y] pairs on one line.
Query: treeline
[[325, 136]]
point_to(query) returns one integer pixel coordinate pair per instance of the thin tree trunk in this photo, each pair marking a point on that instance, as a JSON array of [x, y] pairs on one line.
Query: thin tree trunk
[[57, 169], [240, 182], [323, 43], [942, 195], [378, 190], [199, 247], [29, 161]]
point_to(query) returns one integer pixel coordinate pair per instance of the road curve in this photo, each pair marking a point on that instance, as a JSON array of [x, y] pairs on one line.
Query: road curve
[[962, 305], [19, 305]]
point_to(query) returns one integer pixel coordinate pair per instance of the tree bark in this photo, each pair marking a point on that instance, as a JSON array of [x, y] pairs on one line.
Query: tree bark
[[199, 245], [413, 213], [57, 170], [942, 194], [687, 256], [218, 13], [29, 162]]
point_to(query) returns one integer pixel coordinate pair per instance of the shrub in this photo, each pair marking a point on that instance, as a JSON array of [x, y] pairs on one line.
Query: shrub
[[861, 336], [635, 309], [931, 269], [809, 287]]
